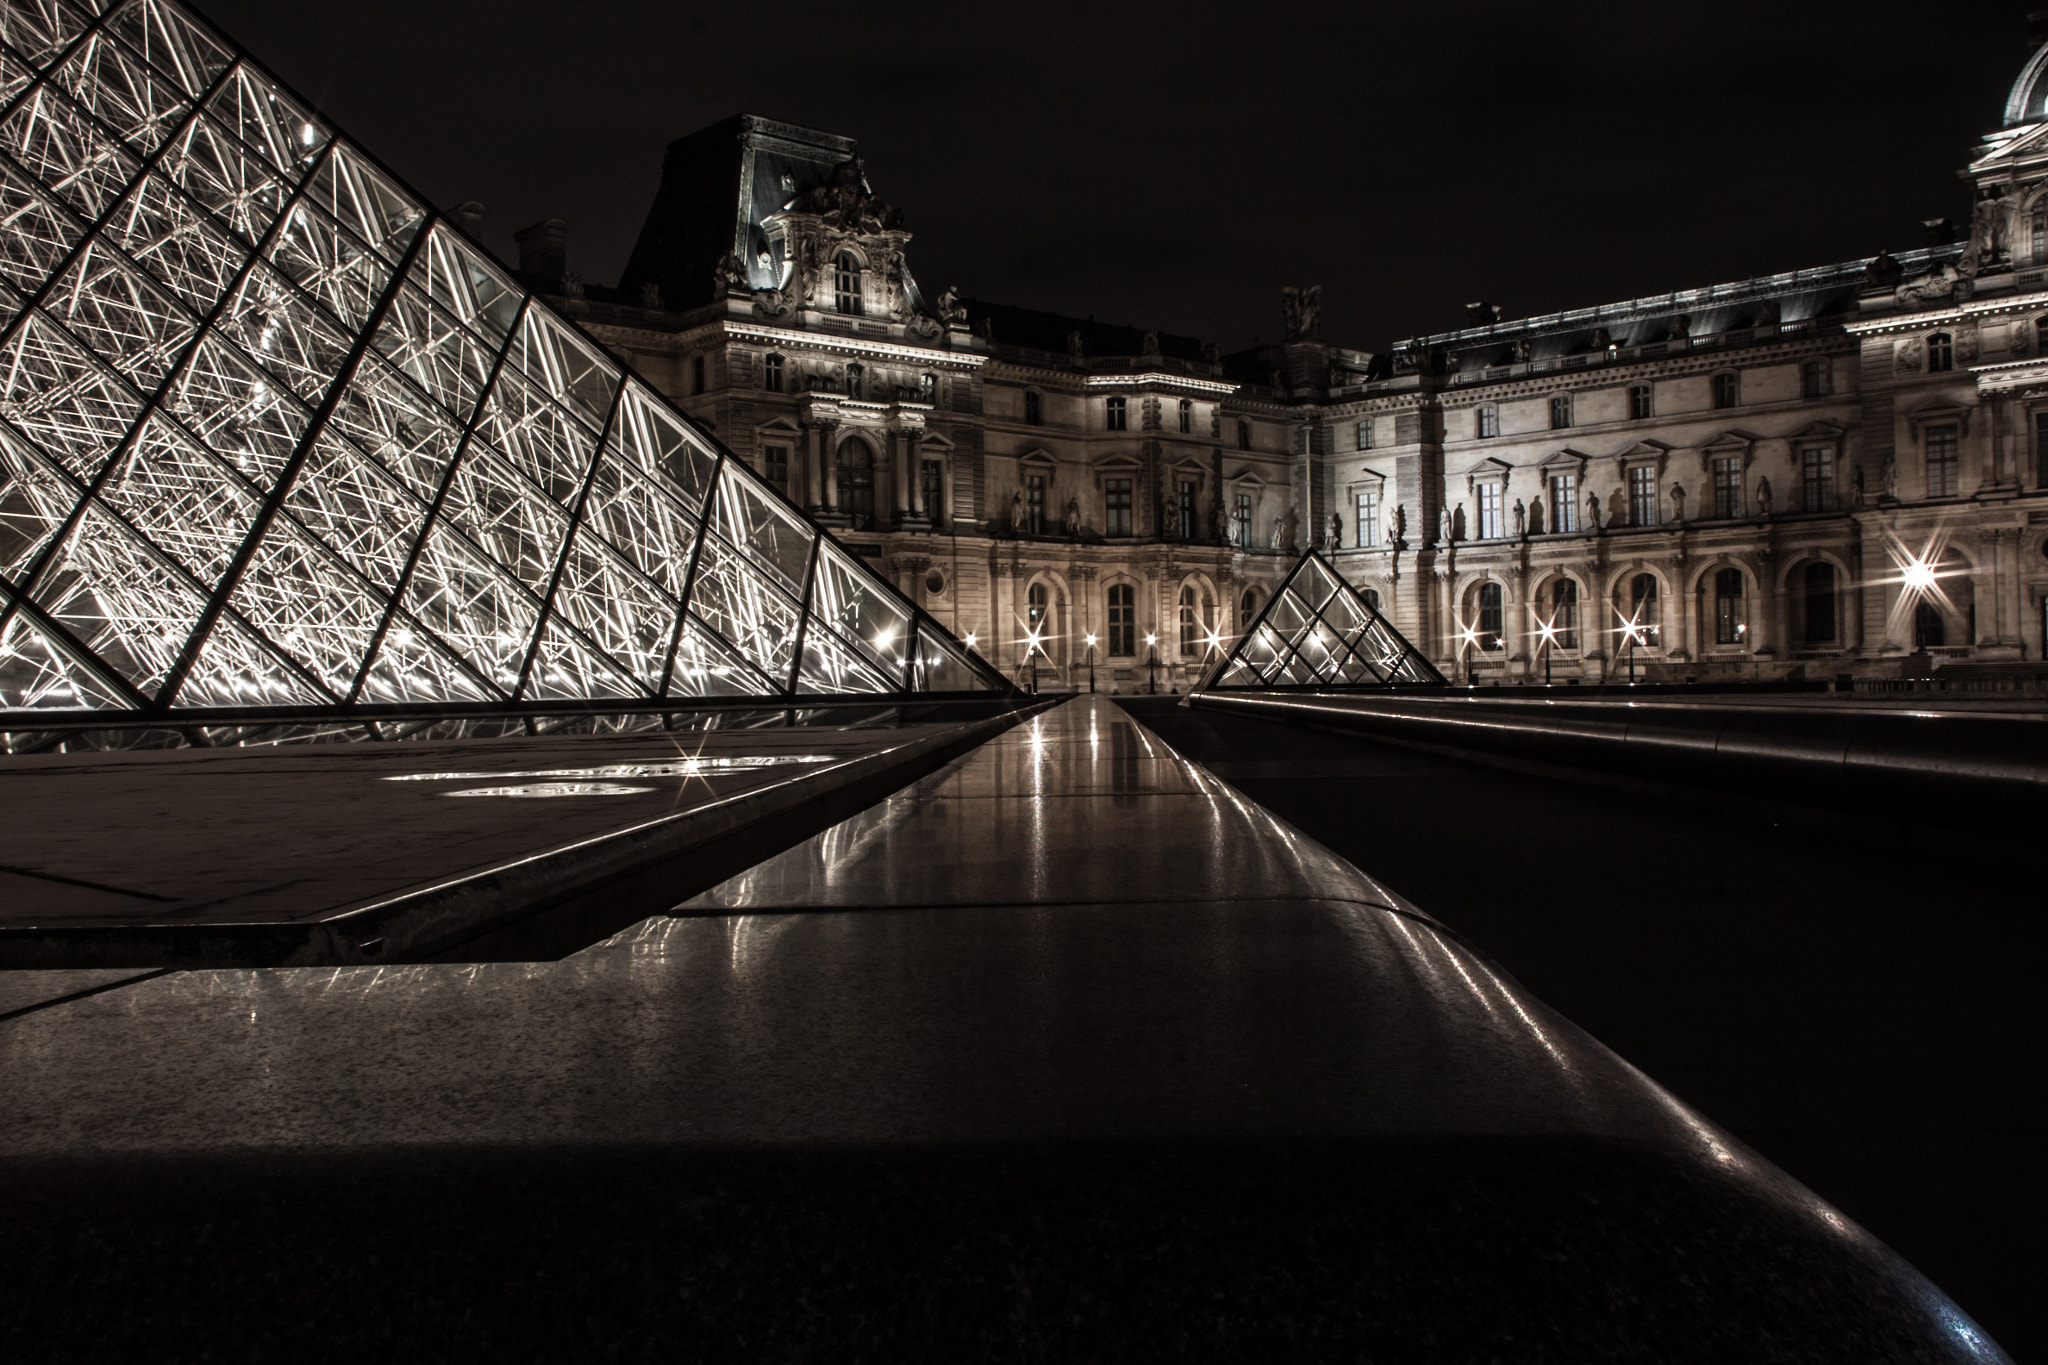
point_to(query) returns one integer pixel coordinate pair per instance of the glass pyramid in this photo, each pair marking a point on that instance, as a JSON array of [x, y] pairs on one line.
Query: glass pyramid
[[275, 435], [1317, 631]]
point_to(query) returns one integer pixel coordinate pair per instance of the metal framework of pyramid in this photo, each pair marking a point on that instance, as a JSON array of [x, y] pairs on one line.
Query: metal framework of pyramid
[[1318, 631], [274, 435]]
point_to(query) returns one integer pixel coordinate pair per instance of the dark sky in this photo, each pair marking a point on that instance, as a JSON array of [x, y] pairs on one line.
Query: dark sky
[[1173, 165]]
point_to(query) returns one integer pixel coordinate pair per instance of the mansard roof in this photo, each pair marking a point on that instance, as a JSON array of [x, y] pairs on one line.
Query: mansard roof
[[1040, 330]]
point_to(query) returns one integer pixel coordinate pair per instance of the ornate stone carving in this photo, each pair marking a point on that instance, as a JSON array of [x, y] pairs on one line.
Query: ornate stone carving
[[729, 275], [844, 201], [650, 295], [1967, 344], [771, 303], [951, 310], [925, 328], [1937, 286], [1906, 354], [1884, 272], [1303, 309], [2019, 338]]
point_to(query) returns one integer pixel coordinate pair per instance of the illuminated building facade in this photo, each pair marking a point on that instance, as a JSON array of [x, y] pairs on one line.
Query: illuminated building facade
[[1833, 470]]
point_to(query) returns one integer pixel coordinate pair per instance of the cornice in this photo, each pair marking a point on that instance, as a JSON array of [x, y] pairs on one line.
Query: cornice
[[843, 345], [1968, 312], [1157, 380]]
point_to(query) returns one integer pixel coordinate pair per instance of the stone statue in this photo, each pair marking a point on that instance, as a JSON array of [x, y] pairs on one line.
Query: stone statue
[[892, 277], [1519, 349], [1336, 531], [951, 310], [572, 285], [1763, 496], [1279, 538], [1888, 474], [1222, 523], [1304, 312], [1169, 512], [1987, 232], [1074, 351], [1678, 503], [1521, 521], [1458, 529], [1397, 525], [1681, 326], [1856, 485], [1593, 513], [1019, 518], [650, 295], [1884, 272], [1617, 509], [1212, 353], [807, 269], [729, 274], [1536, 516], [2019, 338], [1073, 522], [1443, 526], [1151, 344]]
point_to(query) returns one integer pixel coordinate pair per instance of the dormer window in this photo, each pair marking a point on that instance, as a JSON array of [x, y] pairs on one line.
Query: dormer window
[[1941, 353], [846, 283], [771, 373]]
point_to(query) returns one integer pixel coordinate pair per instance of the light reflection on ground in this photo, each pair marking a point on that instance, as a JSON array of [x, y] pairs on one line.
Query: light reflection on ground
[[677, 767], [551, 789]]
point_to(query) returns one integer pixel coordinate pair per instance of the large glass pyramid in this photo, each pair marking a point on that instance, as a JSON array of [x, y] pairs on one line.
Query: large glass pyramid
[[1318, 631], [275, 435]]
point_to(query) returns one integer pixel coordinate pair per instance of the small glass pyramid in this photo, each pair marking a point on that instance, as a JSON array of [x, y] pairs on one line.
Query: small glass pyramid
[[273, 434], [1317, 631]]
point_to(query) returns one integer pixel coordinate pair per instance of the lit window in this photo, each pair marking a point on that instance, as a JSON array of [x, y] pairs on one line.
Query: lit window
[[1642, 601], [1123, 619], [1727, 390], [1244, 435], [1730, 622], [1034, 503], [1489, 422], [1116, 415], [1639, 401], [1034, 409], [1728, 487], [1816, 379], [1817, 478], [1187, 416], [771, 373], [1035, 603], [1489, 512], [1943, 474], [855, 377], [1564, 503], [1941, 353], [846, 283], [927, 388], [1490, 602], [1820, 602], [1564, 613], [1116, 494], [1560, 411], [1642, 496], [1365, 434], [1369, 519], [1187, 621]]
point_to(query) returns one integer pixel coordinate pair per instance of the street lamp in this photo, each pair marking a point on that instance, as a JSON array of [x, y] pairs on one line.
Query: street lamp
[[1152, 643], [1549, 633], [1091, 663]]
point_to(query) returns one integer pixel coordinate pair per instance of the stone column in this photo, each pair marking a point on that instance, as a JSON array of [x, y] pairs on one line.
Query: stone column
[[899, 446], [1524, 648], [813, 464], [828, 445], [1682, 647], [913, 441]]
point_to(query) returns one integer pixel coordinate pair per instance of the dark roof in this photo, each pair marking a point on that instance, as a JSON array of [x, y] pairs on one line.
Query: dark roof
[[1014, 326]]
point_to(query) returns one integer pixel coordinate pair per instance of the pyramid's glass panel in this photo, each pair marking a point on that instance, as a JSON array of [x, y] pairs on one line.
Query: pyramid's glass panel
[[273, 435], [1318, 631]]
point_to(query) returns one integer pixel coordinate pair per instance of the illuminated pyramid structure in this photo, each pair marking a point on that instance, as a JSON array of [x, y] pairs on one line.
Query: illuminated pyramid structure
[[275, 435], [1318, 631]]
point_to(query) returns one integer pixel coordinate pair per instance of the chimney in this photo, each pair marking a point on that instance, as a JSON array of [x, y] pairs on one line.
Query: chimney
[[544, 250], [469, 216]]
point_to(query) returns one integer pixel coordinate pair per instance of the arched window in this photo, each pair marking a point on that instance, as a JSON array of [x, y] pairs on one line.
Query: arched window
[[1816, 378], [857, 482], [1639, 401], [1034, 408], [1188, 633], [1727, 390], [1642, 608], [771, 373], [1929, 631], [1035, 610], [1372, 597], [1123, 620], [1490, 602], [1116, 414], [855, 378], [1820, 602], [1187, 416], [1247, 608], [1564, 613], [1941, 353], [846, 283], [1730, 620]]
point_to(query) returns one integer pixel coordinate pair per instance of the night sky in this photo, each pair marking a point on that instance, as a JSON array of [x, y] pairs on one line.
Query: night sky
[[1173, 165]]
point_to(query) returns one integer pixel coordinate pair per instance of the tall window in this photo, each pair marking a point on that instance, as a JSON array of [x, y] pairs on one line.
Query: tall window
[[1244, 434], [1116, 414], [1820, 602], [1941, 353], [1187, 621], [1034, 504], [1489, 422], [1727, 390], [1184, 490], [1564, 503], [1638, 401], [856, 379], [932, 479], [1817, 478], [2041, 448], [1242, 522], [857, 482], [1943, 473], [1489, 512], [1187, 416], [1116, 498], [1035, 605], [1247, 608], [696, 374], [1560, 411], [1928, 627], [1034, 408], [1642, 496], [1730, 621], [1123, 619], [776, 462], [1371, 596], [1642, 608], [1365, 434], [846, 283], [1564, 613], [1369, 519], [771, 373], [1489, 615], [1816, 378], [1728, 487]]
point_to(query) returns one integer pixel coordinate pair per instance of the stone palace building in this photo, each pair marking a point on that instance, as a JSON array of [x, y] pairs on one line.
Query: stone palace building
[[1833, 470]]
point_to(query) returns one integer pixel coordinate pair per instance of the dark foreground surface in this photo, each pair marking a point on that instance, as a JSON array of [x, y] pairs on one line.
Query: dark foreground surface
[[1863, 1011]]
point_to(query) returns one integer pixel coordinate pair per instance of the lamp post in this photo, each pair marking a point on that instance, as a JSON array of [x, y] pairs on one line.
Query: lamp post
[[1152, 644], [1091, 663]]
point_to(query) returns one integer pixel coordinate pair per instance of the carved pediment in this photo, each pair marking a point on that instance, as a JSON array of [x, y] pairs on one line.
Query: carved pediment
[[1567, 459], [1937, 410], [1038, 457], [1246, 474], [1491, 465], [1118, 463], [1819, 431]]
